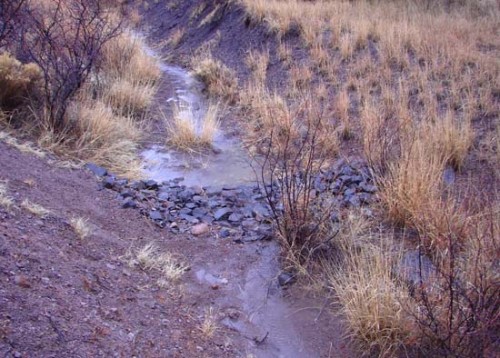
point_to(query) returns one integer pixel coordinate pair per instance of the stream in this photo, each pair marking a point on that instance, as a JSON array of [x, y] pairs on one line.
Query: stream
[[227, 164], [266, 321]]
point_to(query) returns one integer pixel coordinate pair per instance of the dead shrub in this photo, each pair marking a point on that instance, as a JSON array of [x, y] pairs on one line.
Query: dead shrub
[[298, 144]]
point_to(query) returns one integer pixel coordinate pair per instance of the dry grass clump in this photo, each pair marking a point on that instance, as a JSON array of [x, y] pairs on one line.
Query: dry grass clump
[[150, 258], [373, 302], [209, 325], [103, 137], [35, 209], [81, 227], [5, 200], [219, 79], [190, 132], [130, 75], [17, 79]]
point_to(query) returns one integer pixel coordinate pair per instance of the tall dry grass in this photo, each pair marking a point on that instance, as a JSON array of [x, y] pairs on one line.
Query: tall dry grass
[[426, 76], [189, 132]]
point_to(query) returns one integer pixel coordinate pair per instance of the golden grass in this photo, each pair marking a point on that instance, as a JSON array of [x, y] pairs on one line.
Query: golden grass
[[106, 138], [175, 39], [81, 227], [189, 133], [219, 79], [17, 80], [150, 258], [35, 209], [209, 325], [363, 283]]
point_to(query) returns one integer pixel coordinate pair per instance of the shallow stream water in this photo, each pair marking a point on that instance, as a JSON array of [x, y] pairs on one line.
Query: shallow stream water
[[226, 164]]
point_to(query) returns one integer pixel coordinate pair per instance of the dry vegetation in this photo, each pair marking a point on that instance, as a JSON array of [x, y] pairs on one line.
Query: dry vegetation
[[188, 131], [414, 86], [150, 258], [87, 83]]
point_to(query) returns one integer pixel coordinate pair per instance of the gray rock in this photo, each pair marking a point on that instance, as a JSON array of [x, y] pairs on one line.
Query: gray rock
[[286, 278], [367, 188], [260, 211], [163, 196], [212, 191], [416, 267], [365, 198], [224, 233], [186, 195], [155, 215], [354, 201], [190, 219], [449, 175], [185, 211], [137, 185], [222, 214], [191, 205], [235, 217], [199, 212], [349, 192], [129, 203], [127, 193], [151, 184], [96, 170]]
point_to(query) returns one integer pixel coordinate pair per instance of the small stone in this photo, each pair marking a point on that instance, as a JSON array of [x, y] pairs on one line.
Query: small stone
[[151, 184], [155, 215], [191, 205], [286, 278], [235, 217], [260, 211], [199, 212], [449, 175], [190, 219], [126, 193], [109, 182], [224, 233], [354, 201], [367, 188], [22, 281], [97, 170], [222, 214], [186, 195], [129, 203], [200, 229], [137, 185], [349, 192], [163, 196]]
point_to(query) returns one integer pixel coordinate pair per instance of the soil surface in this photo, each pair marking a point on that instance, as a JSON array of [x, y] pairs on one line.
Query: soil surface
[[63, 296]]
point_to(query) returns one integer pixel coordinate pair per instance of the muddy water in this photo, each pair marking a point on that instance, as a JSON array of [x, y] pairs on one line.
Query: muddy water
[[227, 164]]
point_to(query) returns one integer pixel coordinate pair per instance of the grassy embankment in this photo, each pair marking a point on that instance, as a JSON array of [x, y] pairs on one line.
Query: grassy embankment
[[413, 87]]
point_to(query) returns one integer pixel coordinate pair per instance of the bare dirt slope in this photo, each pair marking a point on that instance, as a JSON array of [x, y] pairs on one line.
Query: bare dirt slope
[[63, 296]]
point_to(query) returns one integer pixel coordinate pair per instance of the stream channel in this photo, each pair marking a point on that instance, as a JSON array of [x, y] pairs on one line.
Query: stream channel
[[267, 321]]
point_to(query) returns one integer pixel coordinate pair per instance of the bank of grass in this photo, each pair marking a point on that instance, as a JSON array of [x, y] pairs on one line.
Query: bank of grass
[[415, 85], [104, 120]]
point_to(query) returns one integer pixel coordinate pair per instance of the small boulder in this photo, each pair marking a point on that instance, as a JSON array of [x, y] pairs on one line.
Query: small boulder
[[222, 214], [200, 229]]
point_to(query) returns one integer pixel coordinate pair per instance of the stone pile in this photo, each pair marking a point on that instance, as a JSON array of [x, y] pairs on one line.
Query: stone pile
[[240, 212]]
